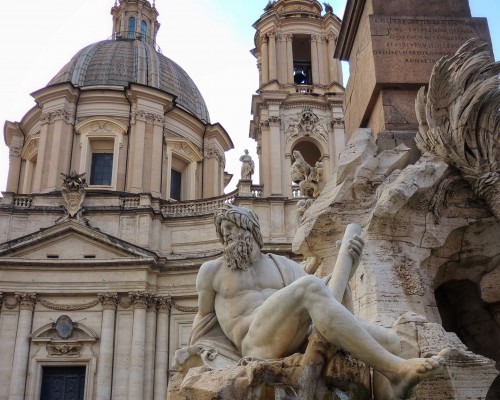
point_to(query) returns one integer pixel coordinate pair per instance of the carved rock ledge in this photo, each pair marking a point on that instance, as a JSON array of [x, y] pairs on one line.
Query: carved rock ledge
[[343, 377]]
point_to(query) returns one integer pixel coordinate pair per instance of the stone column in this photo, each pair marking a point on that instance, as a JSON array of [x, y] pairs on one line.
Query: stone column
[[60, 152], [161, 356], [37, 181], [314, 59], [149, 357], [275, 148], [156, 155], [105, 364], [136, 154], [15, 144], [281, 57], [272, 56], [21, 350], [323, 67], [137, 355], [289, 57], [265, 60], [332, 74], [123, 28]]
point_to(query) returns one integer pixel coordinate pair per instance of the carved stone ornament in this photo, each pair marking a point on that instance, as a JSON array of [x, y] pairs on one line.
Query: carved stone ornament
[[64, 349], [459, 118], [184, 148], [73, 193], [305, 176], [307, 123], [64, 327], [212, 151], [147, 116], [62, 113]]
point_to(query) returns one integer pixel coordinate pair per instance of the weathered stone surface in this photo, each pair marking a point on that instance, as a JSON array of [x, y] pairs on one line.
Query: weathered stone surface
[[269, 380], [423, 228]]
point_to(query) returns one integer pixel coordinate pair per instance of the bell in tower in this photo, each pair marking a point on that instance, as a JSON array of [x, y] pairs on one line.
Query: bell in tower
[[298, 105]]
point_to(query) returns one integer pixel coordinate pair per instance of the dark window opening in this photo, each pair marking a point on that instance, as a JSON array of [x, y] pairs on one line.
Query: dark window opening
[[301, 48], [144, 29], [52, 256], [101, 169], [131, 28], [89, 256], [63, 383], [175, 184]]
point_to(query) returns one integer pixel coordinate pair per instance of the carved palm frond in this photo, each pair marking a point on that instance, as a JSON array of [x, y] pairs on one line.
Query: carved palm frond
[[459, 118]]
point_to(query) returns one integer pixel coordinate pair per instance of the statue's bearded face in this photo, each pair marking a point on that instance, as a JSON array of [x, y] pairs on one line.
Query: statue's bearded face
[[238, 245]]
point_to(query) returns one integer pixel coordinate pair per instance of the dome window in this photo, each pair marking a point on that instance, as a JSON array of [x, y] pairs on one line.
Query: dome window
[[175, 184], [101, 170], [131, 28], [144, 30]]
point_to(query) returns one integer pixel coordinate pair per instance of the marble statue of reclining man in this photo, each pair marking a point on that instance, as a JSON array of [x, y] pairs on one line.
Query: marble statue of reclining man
[[262, 305]]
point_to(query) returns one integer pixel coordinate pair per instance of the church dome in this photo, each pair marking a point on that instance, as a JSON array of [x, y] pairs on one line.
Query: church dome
[[123, 61]]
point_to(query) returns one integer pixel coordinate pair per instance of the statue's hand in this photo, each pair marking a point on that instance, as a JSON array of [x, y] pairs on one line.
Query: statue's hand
[[355, 247]]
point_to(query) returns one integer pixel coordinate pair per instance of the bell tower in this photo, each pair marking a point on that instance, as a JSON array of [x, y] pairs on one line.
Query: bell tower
[[298, 105], [135, 19]]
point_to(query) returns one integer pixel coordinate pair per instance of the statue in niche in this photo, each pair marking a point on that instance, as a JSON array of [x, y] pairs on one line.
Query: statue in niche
[[262, 306], [459, 118], [305, 176], [73, 193], [247, 166]]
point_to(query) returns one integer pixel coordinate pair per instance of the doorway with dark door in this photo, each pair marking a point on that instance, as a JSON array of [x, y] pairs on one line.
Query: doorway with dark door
[[63, 383]]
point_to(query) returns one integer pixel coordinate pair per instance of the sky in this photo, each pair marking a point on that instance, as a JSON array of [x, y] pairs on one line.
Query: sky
[[210, 39]]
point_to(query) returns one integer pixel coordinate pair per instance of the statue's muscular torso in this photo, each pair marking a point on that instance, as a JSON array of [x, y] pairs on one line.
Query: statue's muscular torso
[[238, 295]]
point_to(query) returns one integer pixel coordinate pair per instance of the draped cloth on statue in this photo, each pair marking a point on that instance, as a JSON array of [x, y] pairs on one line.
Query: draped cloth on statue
[[217, 351]]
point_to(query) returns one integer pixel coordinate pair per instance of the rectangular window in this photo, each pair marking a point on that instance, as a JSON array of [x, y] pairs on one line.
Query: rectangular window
[[101, 169], [175, 184], [63, 383]]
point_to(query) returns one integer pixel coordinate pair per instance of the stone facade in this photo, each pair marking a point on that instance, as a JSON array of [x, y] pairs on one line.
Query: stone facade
[[102, 276]]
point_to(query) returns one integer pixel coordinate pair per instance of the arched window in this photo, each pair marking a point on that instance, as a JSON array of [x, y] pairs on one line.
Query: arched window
[[131, 28], [144, 30]]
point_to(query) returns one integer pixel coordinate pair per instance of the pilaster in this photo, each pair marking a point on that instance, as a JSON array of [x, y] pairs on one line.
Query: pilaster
[[137, 352], [149, 348], [315, 59], [272, 55], [265, 60], [21, 350], [161, 351], [109, 302]]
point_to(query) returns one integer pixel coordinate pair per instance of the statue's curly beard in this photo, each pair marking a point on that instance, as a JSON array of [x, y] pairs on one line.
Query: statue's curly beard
[[237, 250]]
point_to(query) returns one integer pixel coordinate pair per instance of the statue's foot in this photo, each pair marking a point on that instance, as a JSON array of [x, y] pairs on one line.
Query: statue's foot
[[413, 371]]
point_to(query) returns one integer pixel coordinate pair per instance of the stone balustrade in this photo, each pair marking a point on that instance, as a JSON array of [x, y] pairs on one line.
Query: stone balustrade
[[23, 201], [197, 207], [257, 190]]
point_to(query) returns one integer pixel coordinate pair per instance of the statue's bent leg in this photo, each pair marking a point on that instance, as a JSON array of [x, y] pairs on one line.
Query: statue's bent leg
[[279, 327], [286, 312]]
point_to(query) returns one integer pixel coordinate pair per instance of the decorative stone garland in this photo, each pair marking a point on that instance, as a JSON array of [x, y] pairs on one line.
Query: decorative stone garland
[[68, 307], [158, 301]]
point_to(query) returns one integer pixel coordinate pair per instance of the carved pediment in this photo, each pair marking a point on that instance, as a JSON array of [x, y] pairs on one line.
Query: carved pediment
[[72, 241]]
